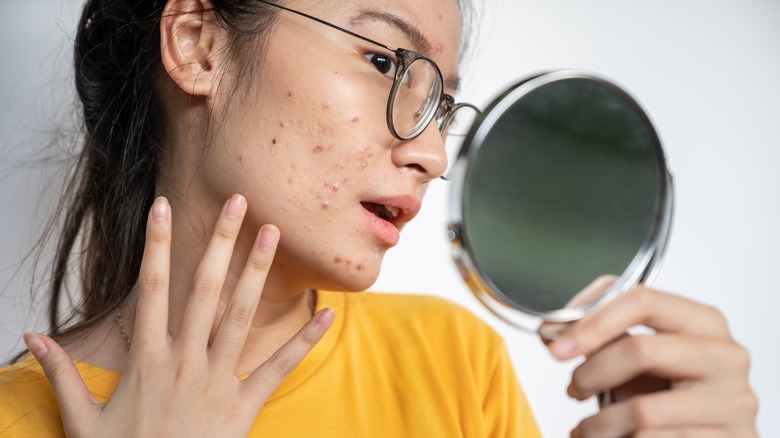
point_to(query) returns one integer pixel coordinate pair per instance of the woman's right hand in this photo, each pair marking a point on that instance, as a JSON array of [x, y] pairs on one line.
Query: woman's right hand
[[182, 386]]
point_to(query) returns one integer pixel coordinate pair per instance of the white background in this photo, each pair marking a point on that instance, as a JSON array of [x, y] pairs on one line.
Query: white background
[[708, 72]]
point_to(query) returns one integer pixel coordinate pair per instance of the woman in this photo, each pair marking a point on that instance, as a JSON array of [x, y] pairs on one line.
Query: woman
[[189, 103]]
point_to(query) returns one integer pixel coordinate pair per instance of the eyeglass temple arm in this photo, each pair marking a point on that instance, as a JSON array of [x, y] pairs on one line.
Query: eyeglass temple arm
[[319, 20]]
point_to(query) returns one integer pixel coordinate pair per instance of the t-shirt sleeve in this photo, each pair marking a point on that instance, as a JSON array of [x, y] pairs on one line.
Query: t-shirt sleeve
[[506, 409]]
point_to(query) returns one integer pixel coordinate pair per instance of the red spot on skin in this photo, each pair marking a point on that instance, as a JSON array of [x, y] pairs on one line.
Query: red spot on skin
[[349, 262], [355, 119], [337, 259], [317, 149], [344, 181], [274, 141], [335, 187], [282, 124], [359, 267], [325, 205], [370, 155], [363, 165], [289, 94]]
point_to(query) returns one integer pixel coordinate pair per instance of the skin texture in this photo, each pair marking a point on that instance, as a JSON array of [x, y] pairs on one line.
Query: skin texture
[[305, 142]]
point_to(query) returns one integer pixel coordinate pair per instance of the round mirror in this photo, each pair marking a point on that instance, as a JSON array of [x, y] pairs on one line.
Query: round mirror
[[561, 199]]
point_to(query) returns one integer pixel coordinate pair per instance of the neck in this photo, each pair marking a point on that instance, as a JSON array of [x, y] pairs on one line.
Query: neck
[[283, 308]]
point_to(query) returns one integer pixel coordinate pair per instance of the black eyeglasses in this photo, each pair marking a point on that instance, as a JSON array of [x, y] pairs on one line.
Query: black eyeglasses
[[417, 95]]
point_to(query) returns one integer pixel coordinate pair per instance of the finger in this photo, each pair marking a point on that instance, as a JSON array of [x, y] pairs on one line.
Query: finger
[[198, 318], [699, 432], [663, 410], [550, 331], [264, 380], [76, 403], [660, 311], [151, 319], [234, 326], [671, 357]]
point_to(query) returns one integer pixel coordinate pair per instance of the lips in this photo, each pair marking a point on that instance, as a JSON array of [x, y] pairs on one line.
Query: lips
[[387, 215]]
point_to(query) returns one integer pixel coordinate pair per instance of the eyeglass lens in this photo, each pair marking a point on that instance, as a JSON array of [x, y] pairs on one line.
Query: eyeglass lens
[[417, 102], [416, 98], [455, 128]]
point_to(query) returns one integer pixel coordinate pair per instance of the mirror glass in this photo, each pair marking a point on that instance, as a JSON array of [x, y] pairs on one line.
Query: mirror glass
[[561, 182]]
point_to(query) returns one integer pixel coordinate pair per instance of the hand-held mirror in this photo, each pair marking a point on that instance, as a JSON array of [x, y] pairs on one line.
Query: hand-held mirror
[[561, 199]]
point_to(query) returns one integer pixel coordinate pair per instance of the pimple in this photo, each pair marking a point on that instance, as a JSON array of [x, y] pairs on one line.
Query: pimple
[[359, 267], [325, 205], [289, 94], [282, 124], [355, 119], [337, 259], [317, 149], [274, 141], [363, 165], [335, 187]]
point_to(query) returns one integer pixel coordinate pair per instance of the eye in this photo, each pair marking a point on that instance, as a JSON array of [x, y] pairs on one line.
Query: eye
[[383, 63]]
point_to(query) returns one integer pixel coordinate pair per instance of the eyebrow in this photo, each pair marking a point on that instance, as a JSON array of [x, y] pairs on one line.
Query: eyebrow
[[418, 41]]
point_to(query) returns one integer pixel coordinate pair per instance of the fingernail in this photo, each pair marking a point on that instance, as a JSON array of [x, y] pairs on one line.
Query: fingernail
[[551, 331], [36, 345], [563, 347], [235, 206], [269, 236], [325, 317], [160, 209]]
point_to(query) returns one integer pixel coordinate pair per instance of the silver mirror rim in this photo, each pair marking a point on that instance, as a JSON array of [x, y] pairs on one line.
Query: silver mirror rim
[[642, 269]]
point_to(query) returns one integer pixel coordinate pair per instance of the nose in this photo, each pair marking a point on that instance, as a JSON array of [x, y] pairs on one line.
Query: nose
[[423, 154]]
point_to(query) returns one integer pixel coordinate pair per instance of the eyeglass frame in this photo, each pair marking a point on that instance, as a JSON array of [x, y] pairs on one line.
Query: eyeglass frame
[[404, 57]]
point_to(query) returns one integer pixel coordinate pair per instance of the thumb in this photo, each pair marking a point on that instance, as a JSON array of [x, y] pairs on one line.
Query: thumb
[[73, 397]]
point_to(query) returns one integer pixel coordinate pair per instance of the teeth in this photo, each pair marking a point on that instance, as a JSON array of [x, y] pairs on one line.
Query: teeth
[[394, 211]]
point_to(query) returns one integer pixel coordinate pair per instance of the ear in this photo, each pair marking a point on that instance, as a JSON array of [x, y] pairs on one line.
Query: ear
[[189, 39]]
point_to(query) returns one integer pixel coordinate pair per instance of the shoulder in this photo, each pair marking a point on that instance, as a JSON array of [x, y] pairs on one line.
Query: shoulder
[[27, 403]]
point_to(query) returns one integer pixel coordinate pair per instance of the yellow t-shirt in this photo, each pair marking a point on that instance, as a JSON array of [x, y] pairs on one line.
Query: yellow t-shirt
[[391, 365]]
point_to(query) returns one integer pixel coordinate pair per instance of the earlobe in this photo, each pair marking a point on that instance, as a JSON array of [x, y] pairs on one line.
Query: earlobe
[[188, 42]]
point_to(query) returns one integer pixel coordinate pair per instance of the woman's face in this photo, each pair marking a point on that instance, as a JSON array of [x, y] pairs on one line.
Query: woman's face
[[307, 143]]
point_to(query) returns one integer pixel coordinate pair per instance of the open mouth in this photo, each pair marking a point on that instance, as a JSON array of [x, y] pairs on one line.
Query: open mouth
[[384, 212]]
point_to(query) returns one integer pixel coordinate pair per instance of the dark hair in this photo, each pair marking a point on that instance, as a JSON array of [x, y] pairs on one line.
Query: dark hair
[[111, 185]]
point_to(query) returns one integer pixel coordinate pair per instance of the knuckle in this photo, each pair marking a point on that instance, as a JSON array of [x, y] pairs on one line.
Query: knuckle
[[640, 351], [55, 370], [224, 231], [205, 286], [238, 314], [645, 298], [282, 365], [741, 359], [641, 413], [151, 282], [716, 318], [260, 262]]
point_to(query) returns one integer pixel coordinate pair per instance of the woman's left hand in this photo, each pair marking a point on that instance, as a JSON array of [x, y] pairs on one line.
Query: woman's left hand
[[690, 378]]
